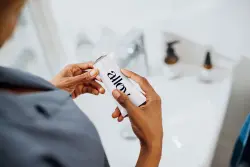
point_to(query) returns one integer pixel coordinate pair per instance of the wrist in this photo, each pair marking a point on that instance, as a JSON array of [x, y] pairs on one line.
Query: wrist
[[153, 148], [52, 81], [150, 156]]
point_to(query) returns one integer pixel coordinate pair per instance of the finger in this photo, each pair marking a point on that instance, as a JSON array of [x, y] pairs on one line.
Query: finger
[[120, 118], [97, 86], [73, 95], [143, 82], [116, 113], [88, 76], [77, 72], [98, 78], [85, 66], [90, 90], [78, 90], [124, 101]]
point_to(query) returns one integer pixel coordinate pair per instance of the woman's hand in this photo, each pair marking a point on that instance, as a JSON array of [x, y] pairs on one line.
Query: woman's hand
[[146, 120], [78, 79]]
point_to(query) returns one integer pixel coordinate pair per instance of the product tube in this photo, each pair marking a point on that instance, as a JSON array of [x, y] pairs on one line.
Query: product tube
[[113, 79]]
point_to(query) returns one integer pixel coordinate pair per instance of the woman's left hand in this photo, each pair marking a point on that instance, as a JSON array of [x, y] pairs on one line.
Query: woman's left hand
[[78, 79]]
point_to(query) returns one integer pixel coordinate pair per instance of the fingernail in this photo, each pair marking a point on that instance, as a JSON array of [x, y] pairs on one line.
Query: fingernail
[[102, 90], [116, 94], [93, 72]]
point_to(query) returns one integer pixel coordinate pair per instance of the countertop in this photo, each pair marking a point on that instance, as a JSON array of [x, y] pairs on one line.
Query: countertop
[[193, 114]]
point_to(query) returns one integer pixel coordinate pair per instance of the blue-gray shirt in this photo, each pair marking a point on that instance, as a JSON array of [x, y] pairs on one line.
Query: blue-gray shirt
[[44, 129]]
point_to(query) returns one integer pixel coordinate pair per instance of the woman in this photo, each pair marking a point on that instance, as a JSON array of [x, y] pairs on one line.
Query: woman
[[41, 126]]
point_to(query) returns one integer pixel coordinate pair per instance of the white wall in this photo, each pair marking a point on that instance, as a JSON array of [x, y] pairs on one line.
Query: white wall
[[226, 27], [221, 23]]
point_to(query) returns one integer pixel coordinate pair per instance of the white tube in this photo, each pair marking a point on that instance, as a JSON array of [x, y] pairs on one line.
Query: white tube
[[113, 79]]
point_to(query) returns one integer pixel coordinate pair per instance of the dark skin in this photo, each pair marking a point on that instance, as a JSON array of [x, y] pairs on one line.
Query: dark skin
[[73, 79], [78, 79], [146, 120]]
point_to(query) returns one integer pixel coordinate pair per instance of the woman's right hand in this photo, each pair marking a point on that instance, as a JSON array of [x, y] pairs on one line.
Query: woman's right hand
[[146, 120]]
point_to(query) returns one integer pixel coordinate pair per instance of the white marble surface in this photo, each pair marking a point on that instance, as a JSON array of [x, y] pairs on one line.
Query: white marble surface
[[193, 113]]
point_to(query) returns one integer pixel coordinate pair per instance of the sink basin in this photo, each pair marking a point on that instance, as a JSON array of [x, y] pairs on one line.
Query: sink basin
[[193, 113]]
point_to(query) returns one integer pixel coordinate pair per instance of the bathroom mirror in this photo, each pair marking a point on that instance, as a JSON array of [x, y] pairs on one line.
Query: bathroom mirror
[[84, 48]]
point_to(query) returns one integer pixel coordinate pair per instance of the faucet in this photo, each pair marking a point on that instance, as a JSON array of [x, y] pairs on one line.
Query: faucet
[[131, 52]]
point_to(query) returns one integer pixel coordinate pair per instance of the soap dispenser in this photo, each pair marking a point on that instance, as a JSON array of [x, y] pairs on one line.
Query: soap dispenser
[[207, 68], [171, 60], [171, 56]]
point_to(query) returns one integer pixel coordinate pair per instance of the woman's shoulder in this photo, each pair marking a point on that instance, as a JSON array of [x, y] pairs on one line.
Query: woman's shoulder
[[16, 78], [59, 128]]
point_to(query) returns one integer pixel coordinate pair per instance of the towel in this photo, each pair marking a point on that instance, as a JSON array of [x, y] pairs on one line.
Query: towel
[[241, 153]]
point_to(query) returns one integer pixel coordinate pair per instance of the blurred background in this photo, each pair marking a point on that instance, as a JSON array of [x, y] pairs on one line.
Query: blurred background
[[59, 32], [53, 33]]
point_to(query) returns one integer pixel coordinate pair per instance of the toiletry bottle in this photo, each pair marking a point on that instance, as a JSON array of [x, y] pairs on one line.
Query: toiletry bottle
[[171, 56], [112, 78], [208, 63], [170, 62], [207, 68]]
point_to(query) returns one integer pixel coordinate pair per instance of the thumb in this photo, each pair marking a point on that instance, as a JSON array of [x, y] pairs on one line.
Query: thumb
[[85, 77], [124, 101]]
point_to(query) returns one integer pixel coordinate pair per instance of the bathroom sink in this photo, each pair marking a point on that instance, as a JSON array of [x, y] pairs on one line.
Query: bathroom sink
[[193, 113]]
